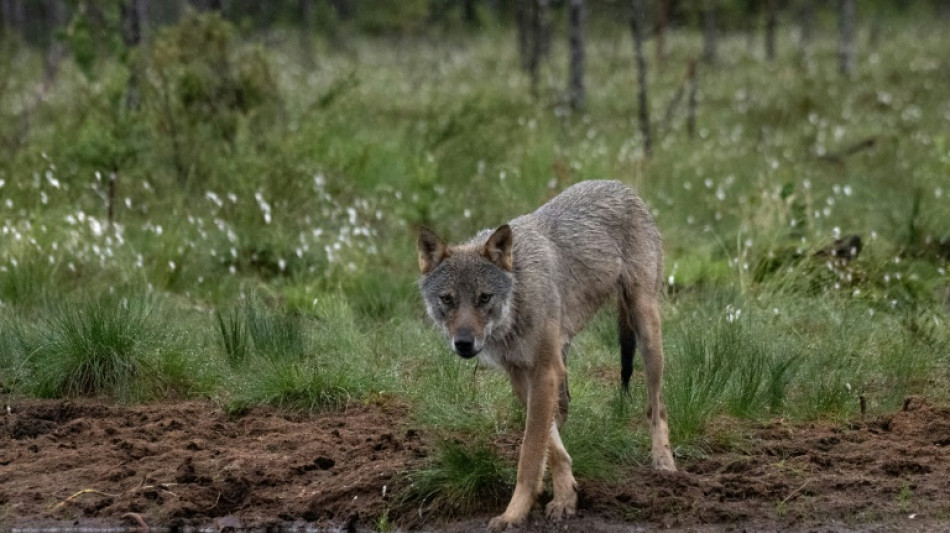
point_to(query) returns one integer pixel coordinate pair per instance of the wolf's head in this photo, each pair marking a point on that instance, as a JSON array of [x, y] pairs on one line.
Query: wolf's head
[[467, 289]]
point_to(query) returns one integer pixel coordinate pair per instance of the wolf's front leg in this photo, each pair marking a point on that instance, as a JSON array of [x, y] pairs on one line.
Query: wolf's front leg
[[541, 402], [564, 503]]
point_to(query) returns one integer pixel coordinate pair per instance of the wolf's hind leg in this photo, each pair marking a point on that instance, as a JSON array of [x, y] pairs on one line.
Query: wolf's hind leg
[[642, 311]]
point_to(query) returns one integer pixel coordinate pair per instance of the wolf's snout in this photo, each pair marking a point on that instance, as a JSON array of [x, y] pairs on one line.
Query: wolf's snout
[[464, 343]]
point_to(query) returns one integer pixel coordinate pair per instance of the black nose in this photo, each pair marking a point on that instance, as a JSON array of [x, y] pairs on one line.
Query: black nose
[[464, 343]]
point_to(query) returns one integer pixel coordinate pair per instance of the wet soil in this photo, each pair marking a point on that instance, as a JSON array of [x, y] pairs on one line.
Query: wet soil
[[191, 464]]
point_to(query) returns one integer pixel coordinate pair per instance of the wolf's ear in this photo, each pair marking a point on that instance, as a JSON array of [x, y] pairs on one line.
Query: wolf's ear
[[432, 250], [498, 247]]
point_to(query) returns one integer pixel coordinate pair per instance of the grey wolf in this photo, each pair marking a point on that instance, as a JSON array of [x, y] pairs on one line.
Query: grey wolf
[[515, 297]]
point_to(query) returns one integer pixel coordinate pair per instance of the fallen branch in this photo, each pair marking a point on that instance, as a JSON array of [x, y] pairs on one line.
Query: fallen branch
[[794, 492], [674, 103], [78, 494], [838, 157], [138, 518]]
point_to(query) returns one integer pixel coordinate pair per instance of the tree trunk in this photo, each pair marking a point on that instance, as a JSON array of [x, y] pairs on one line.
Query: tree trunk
[[942, 9], [806, 23], [540, 41], [55, 17], [662, 20], [141, 7], [14, 16], [752, 24], [523, 26], [846, 43], [470, 14], [543, 37], [6, 13], [770, 24], [577, 17], [343, 8], [691, 100], [306, 32], [110, 198], [636, 27], [131, 23], [208, 5], [709, 32], [132, 12]]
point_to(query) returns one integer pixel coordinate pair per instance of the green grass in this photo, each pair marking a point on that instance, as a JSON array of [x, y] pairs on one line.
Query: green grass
[[110, 345], [273, 262], [235, 339], [276, 335], [605, 432], [728, 361], [298, 386], [324, 365], [463, 478]]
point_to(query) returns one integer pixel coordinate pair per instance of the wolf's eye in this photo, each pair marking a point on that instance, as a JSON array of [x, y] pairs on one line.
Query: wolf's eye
[[484, 298], [446, 299]]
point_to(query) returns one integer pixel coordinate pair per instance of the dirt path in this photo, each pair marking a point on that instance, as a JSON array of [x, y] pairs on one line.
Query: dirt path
[[189, 463]]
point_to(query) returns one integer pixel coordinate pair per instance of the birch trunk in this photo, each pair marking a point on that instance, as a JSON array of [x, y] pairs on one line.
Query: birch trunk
[[636, 26], [709, 32], [846, 42], [770, 25], [577, 17]]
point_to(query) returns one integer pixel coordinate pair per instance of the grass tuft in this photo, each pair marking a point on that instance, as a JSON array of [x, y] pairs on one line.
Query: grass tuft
[[96, 346], [235, 338], [463, 478], [601, 438], [306, 364], [276, 335], [299, 386]]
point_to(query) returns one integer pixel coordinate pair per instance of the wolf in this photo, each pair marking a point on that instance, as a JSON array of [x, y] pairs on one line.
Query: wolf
[[516, 296]]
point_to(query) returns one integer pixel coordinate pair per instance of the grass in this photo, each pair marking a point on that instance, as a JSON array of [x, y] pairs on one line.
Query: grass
[[108, 345], [463, 478], [313, 369], [234, 336], [275, 263], [600, 438]]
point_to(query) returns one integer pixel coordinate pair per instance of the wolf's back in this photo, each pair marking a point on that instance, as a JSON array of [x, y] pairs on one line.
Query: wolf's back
[[598, 236]]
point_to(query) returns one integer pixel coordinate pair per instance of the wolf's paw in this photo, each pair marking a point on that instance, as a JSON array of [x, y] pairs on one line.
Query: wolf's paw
[[558, 509], [503, 522], [664, 462]]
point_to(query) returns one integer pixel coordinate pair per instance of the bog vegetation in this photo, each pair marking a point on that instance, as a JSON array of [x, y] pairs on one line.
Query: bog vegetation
[[241, 226]]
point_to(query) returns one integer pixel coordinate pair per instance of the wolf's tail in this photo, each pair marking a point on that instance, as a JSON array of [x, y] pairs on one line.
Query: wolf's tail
[[628, 346]]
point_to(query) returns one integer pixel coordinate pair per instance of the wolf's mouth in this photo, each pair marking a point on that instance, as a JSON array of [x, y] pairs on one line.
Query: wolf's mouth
[[466, 353]]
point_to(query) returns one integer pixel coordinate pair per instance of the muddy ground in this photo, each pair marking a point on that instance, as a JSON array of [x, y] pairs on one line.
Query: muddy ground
[[191, 464]]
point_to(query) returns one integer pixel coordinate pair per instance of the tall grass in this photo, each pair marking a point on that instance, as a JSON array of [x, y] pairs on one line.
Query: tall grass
[[462, 478], [108, 345], [235, 339], [23, 283], [276, 335], [722, 362], [606, 431], [310, 365], [14, 353]]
